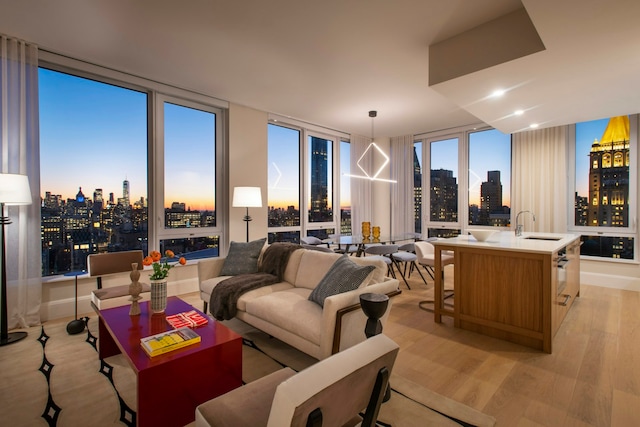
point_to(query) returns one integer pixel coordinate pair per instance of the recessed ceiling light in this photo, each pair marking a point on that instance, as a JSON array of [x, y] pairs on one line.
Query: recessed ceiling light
[[533, 125], [497, 93], [518, 112]]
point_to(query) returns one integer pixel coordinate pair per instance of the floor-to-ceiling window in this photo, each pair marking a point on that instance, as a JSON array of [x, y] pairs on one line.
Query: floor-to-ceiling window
[[93, 151], [190, 148], [468, 177], [283, 195], [604, 186], [489, 178], [108, 183], [312, 177]]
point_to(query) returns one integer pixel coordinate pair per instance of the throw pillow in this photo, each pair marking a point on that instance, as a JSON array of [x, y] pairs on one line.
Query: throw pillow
[[343, 276], [242, 258]]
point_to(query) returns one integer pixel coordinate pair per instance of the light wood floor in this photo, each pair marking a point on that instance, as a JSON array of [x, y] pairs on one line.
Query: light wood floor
[[591, 379]]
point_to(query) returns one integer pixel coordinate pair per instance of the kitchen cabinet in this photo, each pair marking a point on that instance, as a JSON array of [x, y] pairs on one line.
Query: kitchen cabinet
[[516, 288]]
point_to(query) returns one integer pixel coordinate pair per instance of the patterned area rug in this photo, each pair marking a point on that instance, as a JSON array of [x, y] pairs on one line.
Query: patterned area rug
[[52, 378]]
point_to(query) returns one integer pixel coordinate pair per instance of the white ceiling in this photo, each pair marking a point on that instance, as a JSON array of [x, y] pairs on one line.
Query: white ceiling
[[330, 62]]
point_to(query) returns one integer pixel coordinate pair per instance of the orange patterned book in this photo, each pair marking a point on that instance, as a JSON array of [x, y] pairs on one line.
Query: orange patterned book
[[191, 319]]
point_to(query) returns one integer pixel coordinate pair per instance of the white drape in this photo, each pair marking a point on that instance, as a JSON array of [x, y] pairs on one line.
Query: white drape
[[360, 188], [19, 128], [402, 214], [540, 177]]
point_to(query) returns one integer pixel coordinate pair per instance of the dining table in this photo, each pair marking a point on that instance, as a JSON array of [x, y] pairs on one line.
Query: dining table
[[360, 241]]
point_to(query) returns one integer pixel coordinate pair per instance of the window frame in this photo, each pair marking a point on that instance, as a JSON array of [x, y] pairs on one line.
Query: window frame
[[155, 190], [306, 132], [156, 154], [462, 134], [631, 230]]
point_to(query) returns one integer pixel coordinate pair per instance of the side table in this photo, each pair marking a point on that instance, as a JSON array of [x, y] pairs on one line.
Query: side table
[[374, 306]]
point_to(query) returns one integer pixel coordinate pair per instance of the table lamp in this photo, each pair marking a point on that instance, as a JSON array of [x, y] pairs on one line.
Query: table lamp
[[247, 197], [14, 190]]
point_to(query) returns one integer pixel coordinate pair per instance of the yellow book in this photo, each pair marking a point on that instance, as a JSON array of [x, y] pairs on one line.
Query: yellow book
[[168, 341]]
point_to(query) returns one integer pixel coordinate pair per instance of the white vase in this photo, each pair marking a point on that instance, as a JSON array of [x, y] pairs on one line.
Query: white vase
[[158, 301]]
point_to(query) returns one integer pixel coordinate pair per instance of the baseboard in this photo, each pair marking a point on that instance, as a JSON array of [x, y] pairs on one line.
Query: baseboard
[[610, 281]]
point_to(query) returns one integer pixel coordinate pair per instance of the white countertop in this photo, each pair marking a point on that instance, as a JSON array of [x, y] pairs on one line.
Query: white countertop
[[507, 240]]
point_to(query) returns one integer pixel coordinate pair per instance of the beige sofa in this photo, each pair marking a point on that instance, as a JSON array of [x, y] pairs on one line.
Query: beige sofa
[[284, 311]]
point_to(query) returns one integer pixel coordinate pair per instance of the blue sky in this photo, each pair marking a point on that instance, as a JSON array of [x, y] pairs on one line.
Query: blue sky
[[94, 135]]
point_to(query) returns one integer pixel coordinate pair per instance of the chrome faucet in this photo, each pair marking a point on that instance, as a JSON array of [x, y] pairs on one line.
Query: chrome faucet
[[519, 227]]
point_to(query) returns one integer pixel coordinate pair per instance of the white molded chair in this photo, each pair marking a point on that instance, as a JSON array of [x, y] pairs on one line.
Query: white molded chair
[[332, 392], [426, 258]]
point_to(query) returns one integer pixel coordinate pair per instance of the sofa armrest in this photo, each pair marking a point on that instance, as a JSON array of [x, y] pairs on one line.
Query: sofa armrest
[[209, 268], [336, 306]]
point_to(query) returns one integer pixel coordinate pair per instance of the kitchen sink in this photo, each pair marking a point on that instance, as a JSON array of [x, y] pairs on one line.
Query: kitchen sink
[[555, 239]]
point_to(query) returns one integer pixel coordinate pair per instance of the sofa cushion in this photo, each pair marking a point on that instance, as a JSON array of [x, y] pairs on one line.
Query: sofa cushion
[[242, 258], [312, 267], [290, 310], [343, 276]]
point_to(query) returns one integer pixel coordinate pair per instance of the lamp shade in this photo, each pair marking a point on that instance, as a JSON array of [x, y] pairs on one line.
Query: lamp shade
[[247, 197], [14, 189]]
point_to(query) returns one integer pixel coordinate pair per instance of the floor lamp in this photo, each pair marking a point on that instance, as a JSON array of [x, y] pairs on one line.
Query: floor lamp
[[14, 190], [247, 197]]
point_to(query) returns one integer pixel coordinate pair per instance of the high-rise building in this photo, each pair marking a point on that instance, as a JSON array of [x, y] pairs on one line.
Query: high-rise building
[[319, 211], [609, 176], [490, 197], [125, 193], [444, 196], [417, 192]]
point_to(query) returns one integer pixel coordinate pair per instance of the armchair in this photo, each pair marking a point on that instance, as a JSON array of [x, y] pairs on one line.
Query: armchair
[[333, 392]]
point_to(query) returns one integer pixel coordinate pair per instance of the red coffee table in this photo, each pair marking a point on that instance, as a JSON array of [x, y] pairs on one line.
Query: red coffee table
[[171, 385]]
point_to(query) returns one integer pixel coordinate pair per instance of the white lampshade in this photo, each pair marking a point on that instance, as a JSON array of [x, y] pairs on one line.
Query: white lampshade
[[247, 197], [14, 189]]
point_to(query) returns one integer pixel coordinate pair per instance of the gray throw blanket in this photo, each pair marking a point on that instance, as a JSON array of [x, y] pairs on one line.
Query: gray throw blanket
[[223, 302]]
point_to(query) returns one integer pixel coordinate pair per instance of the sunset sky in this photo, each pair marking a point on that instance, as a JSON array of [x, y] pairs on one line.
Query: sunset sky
[[94, 135]]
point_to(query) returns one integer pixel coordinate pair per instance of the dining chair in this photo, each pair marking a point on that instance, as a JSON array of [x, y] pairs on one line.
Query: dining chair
[[407, 257], [425, 253], [387, 254]]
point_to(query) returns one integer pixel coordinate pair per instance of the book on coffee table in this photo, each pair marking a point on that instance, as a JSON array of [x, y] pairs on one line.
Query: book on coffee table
[[192, 319], [168, 341]]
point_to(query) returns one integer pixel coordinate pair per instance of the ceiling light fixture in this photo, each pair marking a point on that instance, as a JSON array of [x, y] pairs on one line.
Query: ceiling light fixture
[[518, 112], [371, 150], [497, 93], [533, 125]]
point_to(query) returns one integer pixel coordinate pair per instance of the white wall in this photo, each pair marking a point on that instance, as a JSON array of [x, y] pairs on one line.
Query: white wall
[[247, 167]]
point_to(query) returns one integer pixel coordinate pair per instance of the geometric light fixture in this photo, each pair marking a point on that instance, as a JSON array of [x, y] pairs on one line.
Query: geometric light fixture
[[371, 150]]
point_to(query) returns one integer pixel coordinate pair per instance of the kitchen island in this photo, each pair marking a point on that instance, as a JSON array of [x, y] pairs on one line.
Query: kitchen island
[[516, 288]]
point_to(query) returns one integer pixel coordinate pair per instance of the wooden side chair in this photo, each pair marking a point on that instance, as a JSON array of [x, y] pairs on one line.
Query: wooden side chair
[[332, 392], [100, 265]]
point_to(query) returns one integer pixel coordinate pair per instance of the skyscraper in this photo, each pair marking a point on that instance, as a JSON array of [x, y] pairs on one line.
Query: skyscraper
[[417, 192], [490, 197], [125, 192], [319, 211], [609, 176]]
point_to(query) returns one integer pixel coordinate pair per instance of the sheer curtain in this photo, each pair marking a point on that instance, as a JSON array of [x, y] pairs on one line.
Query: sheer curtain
[[360, 188], [19, 128], [402, 214], [540, 177]]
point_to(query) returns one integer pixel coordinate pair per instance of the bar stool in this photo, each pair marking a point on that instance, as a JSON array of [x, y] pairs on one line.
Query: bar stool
[[426, 258]]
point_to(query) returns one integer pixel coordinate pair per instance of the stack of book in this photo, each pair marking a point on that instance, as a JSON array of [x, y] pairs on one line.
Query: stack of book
[[191, 319], [168, 341]]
